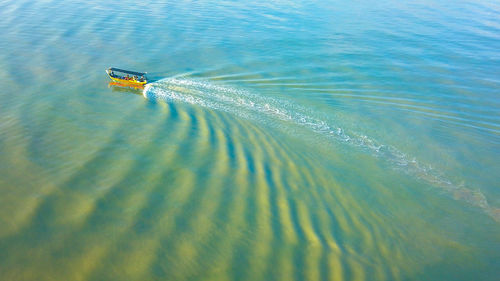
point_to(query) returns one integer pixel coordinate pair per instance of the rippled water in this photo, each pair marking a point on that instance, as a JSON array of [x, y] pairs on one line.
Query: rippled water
[[284, 140]]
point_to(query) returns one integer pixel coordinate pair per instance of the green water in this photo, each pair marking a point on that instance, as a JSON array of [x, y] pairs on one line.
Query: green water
[[287, 140]]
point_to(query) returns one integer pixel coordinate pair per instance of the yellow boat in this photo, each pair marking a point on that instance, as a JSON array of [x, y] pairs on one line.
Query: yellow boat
[[127, 77]]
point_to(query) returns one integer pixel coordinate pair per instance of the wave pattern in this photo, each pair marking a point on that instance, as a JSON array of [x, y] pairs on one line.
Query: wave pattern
[[268, 110], [218, 183], [195, 193], [218, 220]]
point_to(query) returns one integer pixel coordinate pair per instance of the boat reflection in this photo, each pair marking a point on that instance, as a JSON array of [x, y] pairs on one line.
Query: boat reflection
[[126, 88]]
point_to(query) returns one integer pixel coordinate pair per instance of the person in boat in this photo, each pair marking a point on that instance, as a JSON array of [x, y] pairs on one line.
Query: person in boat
[[135, 78], [142, 78], [127, 77]]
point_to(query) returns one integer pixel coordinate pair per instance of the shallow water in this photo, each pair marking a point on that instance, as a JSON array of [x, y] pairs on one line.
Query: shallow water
[[291, 140]]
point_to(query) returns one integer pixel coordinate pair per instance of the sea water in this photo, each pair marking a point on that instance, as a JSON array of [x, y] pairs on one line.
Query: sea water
[[279, 140]]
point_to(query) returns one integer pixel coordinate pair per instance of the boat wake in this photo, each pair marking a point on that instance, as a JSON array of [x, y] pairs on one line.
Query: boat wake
[[270, 110]]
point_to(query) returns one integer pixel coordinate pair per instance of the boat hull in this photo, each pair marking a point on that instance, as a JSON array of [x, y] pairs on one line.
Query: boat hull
[[114, 84], [128, 82]]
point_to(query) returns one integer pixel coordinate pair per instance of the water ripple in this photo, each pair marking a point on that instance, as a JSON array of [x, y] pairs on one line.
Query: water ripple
[[254, 107]]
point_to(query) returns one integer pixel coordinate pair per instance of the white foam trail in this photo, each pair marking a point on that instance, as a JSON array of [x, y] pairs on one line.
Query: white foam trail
[[251, 106]]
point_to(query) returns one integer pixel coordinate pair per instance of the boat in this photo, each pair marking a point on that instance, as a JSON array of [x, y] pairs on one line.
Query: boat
[[127, 77]]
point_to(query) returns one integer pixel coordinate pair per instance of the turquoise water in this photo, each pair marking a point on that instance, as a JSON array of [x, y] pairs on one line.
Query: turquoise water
[[285, 140]]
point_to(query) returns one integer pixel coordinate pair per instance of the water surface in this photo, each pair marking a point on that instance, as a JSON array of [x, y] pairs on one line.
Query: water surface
[[292, 140]]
